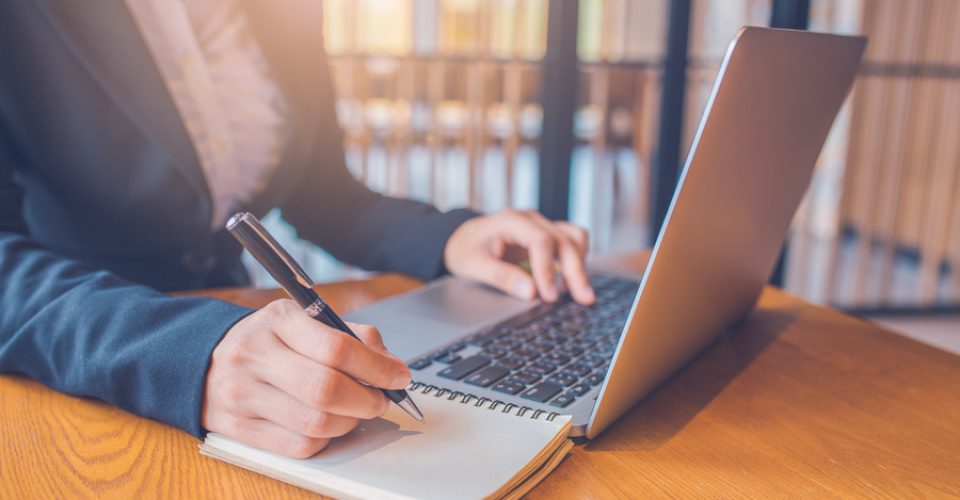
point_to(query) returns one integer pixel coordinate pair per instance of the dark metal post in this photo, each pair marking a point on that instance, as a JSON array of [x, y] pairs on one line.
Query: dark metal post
[[791, 14], [667, 158], [559, 78]]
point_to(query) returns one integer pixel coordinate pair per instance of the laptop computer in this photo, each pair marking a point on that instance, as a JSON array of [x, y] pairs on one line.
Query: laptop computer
[[768, 115]]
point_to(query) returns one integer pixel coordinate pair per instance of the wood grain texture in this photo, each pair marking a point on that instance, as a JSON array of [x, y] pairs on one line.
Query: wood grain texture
[[797, 401]]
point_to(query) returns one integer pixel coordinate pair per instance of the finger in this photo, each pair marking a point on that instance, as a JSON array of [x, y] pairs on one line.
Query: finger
[[369, 335], [339, 350], [542, 251], [541, 247], [269, 436], [571, 254], [280, 408], [563, 231], [574, 273], [502, 275], [319, 386], [577, 234]]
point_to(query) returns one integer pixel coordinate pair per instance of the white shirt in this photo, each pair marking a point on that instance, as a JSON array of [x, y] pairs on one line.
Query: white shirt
[[220, 82]]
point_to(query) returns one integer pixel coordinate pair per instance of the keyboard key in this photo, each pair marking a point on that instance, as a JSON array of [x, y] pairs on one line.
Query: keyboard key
[[596, 378], [556, 357], [584, 344], [459, 346], [582, 312], [465, 367], [528, 354], [606, 347], [522, 335], [564, 400], [567, 309], [508, 386], [563, 378], [571, 330], [542, 346], [542, 392], [580, 389], [594, 360], [495, 351], [542, 367], [512, 379], [448, 358], [526, 377], [480, 340], [502, 332], [511, 363], [536, 328], [508, 343], [420, 364], [579, 369], [570, 350], [486, 376]]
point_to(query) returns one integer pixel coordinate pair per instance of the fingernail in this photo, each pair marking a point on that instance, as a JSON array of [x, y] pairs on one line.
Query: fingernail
[[550, 295], [522, 288]]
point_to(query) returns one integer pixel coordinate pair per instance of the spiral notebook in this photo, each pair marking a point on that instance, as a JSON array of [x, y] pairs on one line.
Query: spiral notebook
[[468, 447]]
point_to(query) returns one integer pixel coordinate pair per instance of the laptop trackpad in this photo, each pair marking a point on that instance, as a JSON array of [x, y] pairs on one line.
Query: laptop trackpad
[[422, 320]]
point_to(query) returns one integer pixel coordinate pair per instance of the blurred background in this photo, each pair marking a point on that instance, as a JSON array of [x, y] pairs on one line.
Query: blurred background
[[586, 109]]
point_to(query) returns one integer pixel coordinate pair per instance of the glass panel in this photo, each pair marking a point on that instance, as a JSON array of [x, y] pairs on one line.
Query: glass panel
[[713, 25], [621, 47], [882, 225], [439, 101]]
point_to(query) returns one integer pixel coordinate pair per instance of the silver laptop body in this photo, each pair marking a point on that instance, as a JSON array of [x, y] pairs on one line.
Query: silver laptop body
[[768, 115]]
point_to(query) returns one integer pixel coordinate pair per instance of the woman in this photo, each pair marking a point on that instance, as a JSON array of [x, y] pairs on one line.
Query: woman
[[129, 131]]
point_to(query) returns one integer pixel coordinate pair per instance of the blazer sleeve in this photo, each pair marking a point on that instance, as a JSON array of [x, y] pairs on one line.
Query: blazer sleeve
[[89, 333], [356, 225]]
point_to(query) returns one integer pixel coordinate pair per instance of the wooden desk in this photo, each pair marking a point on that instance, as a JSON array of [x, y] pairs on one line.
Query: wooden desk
[[798, 401]]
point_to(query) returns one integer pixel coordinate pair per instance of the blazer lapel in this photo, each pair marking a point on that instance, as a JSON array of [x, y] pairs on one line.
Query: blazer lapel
[[104, 38]]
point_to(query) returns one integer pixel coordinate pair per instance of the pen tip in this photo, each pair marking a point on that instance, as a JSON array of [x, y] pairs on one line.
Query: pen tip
[[411, 408]]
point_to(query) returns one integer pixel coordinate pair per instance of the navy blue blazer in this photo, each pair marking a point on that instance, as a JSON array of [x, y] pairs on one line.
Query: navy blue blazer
[[103, 205]]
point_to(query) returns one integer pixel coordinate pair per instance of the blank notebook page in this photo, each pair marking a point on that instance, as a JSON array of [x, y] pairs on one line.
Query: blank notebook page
[[461, 451]]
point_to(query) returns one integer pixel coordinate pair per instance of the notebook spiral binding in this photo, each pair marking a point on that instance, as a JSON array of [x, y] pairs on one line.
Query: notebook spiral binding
[[490, 404]]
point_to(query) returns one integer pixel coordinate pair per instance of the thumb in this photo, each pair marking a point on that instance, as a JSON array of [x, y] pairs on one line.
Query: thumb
[[502, 275]]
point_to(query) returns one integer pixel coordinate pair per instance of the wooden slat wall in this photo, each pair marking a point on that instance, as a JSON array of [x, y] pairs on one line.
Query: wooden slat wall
[[900, 185], [938, 206]]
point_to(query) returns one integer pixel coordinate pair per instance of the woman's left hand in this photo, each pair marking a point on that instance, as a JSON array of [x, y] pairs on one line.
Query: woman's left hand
[[489, 249]]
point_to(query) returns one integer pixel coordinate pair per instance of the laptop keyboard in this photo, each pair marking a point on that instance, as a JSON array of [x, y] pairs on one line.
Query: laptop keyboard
[[552, 354]]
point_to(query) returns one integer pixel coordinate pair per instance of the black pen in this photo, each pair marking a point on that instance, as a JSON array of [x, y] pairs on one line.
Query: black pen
[[245, 227]]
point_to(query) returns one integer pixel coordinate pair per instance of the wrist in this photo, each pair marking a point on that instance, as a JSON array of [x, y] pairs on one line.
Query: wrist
[[452, 248]]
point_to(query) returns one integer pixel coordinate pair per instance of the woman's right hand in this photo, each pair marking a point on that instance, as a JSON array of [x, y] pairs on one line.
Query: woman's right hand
[[284, 382]]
